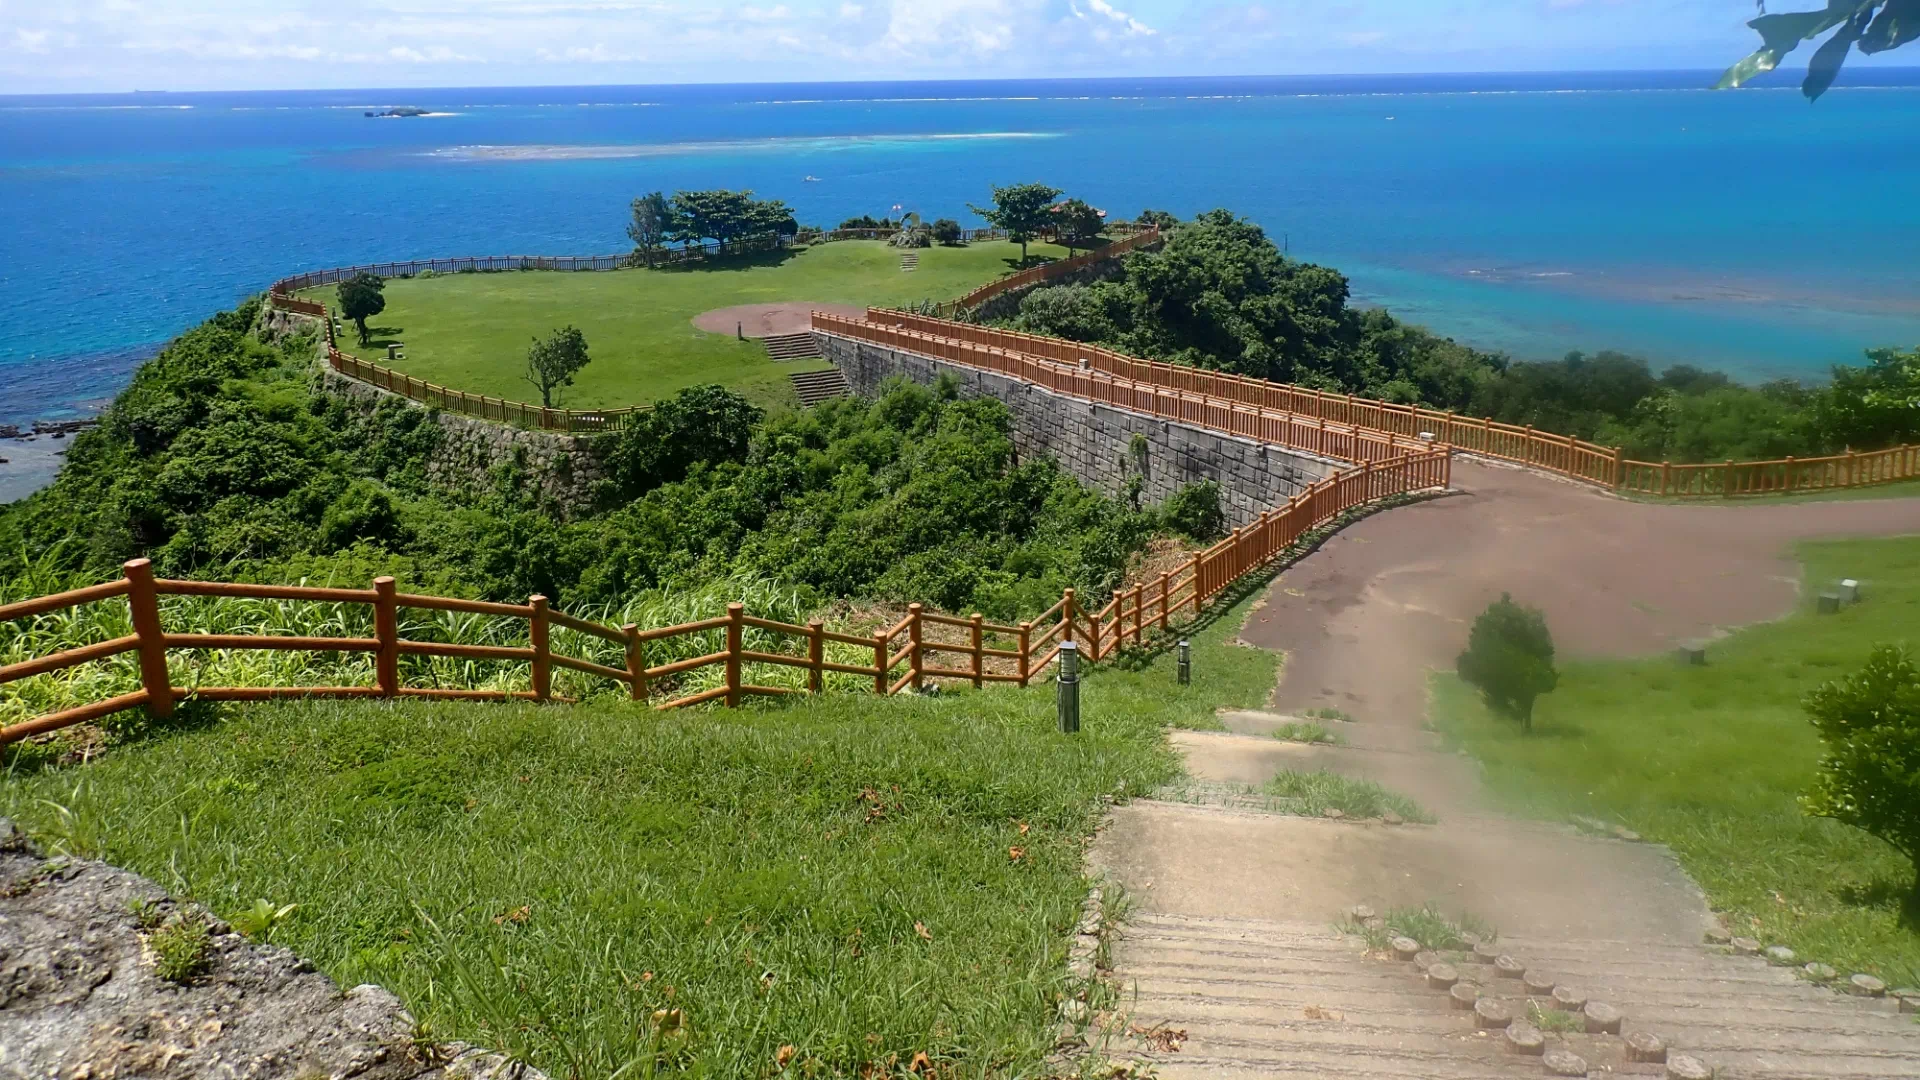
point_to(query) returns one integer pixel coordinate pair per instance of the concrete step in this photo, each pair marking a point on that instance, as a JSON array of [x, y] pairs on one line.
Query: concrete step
[[814, 387], [791, 347]]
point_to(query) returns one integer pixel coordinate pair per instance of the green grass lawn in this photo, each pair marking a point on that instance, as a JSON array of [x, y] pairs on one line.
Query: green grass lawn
[[1710, 761], [470, 331], [544, 879]]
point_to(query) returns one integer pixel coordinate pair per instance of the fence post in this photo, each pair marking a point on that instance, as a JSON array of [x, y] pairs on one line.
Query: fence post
[[736, 614], [1066, 615], [542, 657], [979, 655], [636, 661], [1666, 476], [1789, 485], [386, 630], [914, 640], [143, 601], [1026, 657], [1853, 461], [1139, 611], [1165, 608], [880, 662], [816, 655], [1726, 482]]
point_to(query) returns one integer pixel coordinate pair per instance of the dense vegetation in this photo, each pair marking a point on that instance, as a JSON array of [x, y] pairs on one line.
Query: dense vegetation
[[1220, 295], [221, 460]]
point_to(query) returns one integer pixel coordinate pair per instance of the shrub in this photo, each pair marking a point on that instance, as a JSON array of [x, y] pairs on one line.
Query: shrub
[[1509, 658], [180, 949], [1870, 776], [947, 232], [1194, 512]]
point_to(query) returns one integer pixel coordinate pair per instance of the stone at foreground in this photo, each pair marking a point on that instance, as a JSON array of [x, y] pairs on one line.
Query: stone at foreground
[[79, 996]]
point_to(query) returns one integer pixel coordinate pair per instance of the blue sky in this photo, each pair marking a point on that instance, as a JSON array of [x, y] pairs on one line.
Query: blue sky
[[118, 45]]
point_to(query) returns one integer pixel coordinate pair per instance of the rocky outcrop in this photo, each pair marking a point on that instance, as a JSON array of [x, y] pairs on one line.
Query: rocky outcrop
[[81, 997]]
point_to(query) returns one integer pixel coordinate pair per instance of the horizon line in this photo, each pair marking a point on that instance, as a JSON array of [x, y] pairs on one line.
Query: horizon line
[[1779, 74]]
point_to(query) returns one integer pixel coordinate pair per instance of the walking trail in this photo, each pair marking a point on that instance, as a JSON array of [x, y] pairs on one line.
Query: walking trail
[[1231, 953]]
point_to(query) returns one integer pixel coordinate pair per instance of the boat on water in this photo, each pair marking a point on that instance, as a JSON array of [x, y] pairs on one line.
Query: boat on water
[[811, 180]]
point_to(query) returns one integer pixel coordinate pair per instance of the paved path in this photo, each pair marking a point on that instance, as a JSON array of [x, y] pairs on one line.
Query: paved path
[[1233, 941]]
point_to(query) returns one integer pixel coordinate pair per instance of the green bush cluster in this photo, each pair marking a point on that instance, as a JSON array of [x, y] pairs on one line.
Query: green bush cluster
[[220, 460], [1219, 294]]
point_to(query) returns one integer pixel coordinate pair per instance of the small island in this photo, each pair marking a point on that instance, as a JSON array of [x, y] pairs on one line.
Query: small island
[[401, 110]]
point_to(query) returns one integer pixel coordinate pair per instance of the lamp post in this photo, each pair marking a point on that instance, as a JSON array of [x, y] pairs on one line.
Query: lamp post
[[1069, 688]]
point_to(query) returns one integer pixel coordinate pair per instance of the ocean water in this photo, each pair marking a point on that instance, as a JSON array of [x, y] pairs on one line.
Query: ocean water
[[1746, 231]]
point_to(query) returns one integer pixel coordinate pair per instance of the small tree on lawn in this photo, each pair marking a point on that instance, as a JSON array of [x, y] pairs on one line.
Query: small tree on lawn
[[1022, 210], [1078, 223], [361, 298], [652, 220], [947, 232], [553, 361], [1509, 658], [1870, 776]]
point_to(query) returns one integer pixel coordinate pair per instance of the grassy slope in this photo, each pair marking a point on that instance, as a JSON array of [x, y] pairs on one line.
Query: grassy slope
[[722, 863], [1710, 760], [470, 331]]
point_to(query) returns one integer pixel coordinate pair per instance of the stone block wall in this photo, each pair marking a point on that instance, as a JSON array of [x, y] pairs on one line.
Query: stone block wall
[[564, 469], [1096, 442]]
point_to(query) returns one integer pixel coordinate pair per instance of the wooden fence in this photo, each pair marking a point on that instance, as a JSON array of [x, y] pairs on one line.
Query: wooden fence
[[1049, 271], [1601, 466], [904, 656], [1323, 438]]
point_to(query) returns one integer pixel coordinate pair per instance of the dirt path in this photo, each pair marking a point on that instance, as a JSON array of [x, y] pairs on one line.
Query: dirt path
[[770, 320], [1218, 881]]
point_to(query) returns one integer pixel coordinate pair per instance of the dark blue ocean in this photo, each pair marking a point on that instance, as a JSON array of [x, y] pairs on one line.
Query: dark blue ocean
[[1536, 214]]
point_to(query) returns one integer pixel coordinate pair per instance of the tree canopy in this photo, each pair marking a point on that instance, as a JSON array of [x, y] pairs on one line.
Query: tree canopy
[[1078, 224], [1022, 210], [726, 217], [1872, 26], [1870, 775], [650, 225], [1509, 657], [553, 361], [361, 298]]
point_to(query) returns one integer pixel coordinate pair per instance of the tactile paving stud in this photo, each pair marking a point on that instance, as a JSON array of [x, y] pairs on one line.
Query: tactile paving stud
[[1564, 1063], [1491, 1013], [1524, 1038], [1687, 1067], [1602, 1018], [1464, 995], [1646, 1046], [1442, 976]]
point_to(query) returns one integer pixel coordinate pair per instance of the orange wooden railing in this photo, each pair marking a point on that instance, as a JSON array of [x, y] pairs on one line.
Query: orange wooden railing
[[990, 652], [1312, 435], [1601, 466]]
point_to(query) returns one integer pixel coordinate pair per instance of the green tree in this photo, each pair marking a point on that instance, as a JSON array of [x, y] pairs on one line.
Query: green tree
[[1870, 775], [1509, 658], [727, 217], [947, 231], [553, 361], [1022, 210], [1873, 26], [1077, 223], [651, 222], [1156, 219], [362, 297]]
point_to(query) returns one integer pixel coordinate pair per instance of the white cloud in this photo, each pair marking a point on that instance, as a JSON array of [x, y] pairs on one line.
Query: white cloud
[[1132, 25], [33, 41]]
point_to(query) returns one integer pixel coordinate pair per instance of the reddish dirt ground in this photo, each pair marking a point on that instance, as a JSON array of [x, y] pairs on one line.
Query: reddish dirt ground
[[1362, 619], [768, 320]]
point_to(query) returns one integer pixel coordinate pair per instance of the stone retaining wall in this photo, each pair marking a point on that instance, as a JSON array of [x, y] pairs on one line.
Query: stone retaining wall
[[1096, 442]]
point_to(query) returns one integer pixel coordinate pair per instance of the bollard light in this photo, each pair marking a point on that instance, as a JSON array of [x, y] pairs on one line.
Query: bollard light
[[1186, 663], [1069, 688]]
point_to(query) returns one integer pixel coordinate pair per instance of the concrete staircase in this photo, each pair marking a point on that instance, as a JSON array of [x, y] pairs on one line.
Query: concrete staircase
[[815, 387], [909, 262], [791, 347]]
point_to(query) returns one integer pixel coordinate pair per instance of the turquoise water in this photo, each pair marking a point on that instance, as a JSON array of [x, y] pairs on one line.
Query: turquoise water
[[1534, 214]]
